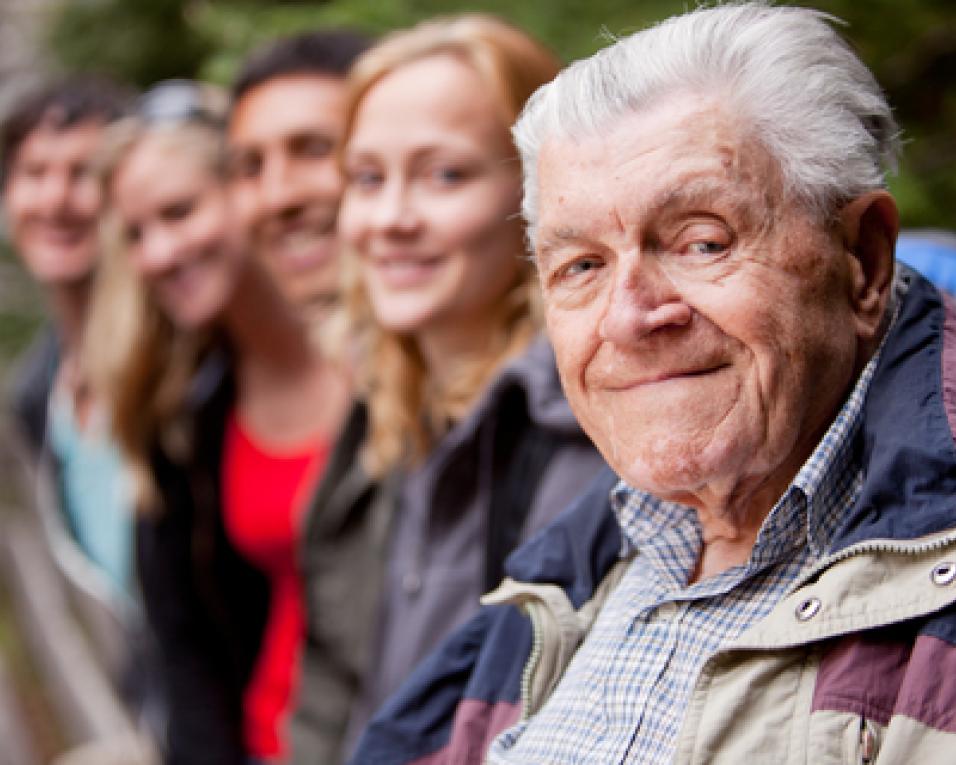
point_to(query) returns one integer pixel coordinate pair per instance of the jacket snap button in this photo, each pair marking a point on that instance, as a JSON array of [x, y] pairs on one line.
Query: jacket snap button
[[808, 609], [944, 573]]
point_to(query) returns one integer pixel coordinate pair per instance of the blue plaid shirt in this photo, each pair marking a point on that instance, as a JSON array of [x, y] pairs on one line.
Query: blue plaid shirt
[[623, 696]]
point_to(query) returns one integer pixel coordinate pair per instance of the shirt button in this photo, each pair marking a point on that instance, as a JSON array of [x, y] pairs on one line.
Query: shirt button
[[411, 583]]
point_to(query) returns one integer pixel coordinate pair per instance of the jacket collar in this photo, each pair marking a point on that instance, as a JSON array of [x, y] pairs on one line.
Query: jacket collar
[[576, 550], [906, 439]]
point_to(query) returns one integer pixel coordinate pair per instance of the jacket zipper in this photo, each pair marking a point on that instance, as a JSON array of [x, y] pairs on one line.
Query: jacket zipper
[[875, 545], [537, 642], [869, 743]]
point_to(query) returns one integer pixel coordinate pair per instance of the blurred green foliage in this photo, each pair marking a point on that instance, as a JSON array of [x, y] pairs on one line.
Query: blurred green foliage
[[910, 44], [21, 309], [139, 42]]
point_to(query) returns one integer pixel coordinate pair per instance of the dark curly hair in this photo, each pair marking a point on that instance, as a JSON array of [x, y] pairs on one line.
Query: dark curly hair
[[324, 51], [60, 104]]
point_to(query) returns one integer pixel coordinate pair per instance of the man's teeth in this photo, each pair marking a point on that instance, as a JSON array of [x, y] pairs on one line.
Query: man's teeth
[[297, 241]]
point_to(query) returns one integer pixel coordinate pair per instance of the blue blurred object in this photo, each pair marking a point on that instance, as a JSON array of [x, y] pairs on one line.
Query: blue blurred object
[[932, 252]]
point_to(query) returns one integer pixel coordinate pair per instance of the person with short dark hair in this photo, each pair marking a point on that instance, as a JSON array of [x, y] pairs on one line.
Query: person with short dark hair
[[329, 52], [284, 128], [51, 205], [286, 121]]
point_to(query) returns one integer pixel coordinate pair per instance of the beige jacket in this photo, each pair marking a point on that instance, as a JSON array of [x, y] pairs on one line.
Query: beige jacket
[[846, 669]]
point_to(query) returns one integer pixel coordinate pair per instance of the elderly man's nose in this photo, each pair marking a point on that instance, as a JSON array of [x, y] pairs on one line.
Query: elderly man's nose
[[642, 300]]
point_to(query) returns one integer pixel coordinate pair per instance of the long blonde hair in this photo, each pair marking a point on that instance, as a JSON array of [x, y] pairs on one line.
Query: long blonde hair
[[138, 363], [405, 415]]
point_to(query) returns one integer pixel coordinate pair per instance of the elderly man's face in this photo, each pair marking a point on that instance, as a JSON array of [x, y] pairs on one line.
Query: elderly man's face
[[704, 329]]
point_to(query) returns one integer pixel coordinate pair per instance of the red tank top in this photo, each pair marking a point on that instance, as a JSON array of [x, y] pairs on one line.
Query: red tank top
[[264, 492]]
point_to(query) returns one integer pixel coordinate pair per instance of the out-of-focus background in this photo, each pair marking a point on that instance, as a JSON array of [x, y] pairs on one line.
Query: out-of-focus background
[[910, 44]]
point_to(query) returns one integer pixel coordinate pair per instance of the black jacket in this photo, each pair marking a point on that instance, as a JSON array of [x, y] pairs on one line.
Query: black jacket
[[30, 388], [206, 605]]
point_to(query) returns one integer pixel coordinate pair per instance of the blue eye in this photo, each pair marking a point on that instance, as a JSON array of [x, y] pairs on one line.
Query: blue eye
[[707, 248], [579, 267], [448, 176], [365, 180], [582, 266]]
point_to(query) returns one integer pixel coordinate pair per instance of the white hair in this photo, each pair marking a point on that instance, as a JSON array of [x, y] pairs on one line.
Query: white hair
[[792, 81]]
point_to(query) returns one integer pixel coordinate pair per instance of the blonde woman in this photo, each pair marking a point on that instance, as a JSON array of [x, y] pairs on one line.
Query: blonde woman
[[226, 409], [465, 427]]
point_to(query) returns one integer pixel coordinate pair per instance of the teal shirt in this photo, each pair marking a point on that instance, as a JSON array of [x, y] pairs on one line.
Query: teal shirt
[[96, 491]]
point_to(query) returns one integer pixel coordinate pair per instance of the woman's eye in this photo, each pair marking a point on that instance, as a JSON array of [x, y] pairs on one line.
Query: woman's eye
[[364, 179], [447, 175]]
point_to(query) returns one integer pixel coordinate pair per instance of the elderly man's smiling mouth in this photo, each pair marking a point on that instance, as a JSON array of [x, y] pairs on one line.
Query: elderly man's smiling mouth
[[661, 377]]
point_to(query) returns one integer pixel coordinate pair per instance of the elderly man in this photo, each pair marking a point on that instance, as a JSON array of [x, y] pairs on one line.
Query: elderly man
[[774, 580]]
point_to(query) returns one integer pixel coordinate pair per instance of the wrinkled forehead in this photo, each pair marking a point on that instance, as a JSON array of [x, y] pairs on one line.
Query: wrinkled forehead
[[683, 154]]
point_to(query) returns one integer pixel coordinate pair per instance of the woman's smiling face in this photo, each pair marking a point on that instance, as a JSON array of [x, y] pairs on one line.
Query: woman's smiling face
[[432, 195], [176, 218]]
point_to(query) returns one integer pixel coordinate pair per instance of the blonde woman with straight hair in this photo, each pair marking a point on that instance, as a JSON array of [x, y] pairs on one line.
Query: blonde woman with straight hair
[[464, 444], [226, 408]]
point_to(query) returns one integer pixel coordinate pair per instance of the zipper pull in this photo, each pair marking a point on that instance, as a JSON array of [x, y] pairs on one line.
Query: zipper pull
[[868, 742]]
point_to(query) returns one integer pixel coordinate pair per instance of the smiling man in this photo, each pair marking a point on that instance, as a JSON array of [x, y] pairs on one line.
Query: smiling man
[[51, 206], [770, 576], [287, 118]]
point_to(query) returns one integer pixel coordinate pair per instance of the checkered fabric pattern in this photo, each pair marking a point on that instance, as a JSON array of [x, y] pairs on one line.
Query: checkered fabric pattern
[[623, 696]]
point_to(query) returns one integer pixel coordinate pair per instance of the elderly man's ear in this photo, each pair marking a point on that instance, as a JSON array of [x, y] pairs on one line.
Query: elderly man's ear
[[870, 224]]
